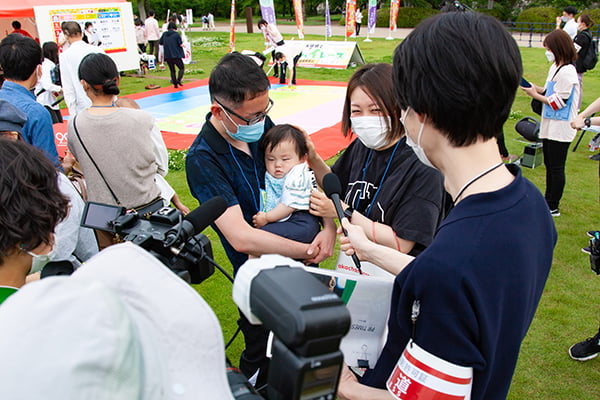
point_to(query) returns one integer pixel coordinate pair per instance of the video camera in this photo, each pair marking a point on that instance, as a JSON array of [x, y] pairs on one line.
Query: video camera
[[308, 321], [176, 242]]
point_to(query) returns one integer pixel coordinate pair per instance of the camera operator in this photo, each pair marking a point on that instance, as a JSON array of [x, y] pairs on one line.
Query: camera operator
[[32, 205], [104, 333], [467, 300]]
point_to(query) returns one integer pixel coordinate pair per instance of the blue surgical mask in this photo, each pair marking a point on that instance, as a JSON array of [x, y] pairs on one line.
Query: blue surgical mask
[[246, 133]]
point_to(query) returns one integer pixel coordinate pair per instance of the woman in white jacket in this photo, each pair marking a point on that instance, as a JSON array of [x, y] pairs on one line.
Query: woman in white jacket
[[560, 97], [48, 88]]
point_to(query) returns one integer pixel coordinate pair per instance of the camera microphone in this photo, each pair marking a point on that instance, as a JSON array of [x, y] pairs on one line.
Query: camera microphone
[[333, 188], [196, 221]]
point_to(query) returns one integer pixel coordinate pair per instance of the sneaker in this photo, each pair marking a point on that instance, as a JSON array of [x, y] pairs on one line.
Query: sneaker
[[555, 213], [586, 350], [587, 250], [592, 233], [595, 157]]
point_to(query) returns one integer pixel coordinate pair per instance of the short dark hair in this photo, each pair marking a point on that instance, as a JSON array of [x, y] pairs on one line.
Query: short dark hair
[[262, 21], [376, 81], [587, 20], [100, 72], [19, 56], [50, 51], [71, 28], [32, 203], [172, 26], [462, 70], [279, 55], [235, 79], [137, 22], [88, 24], [151, 13], [561, 45], [283, 132], [570, 10], [16, 25]]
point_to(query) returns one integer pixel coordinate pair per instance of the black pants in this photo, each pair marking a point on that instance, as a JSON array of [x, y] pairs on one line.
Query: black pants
[[254, 358], [172, 62], [284, 65], [153, 44], [555, 157], [142, 47], [357, 29]]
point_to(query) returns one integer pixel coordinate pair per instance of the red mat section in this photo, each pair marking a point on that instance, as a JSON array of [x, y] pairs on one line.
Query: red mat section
[[328, 141]]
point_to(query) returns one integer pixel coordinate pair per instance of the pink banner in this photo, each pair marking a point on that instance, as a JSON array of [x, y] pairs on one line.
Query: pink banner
[[350, 18], [232, 33], [299, 18], [394, 7]]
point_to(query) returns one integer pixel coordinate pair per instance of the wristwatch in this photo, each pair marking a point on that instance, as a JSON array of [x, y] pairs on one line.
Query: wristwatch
[[348, 213], [587, 122]]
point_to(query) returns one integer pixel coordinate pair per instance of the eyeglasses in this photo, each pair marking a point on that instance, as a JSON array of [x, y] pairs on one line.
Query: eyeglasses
[[250, 121]]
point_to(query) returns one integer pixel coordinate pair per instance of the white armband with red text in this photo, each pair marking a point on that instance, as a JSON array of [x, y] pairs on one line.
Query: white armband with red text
[[424, 376], [555, 102]]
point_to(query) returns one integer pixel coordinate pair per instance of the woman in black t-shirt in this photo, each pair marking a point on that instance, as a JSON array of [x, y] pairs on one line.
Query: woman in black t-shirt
[[397, 200], [582, 41]]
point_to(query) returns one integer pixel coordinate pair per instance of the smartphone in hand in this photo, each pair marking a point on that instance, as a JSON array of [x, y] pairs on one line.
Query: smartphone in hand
[[524, 83]]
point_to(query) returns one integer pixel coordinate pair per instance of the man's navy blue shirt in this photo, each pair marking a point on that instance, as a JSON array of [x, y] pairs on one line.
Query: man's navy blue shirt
[[215, 168], [38, 129]]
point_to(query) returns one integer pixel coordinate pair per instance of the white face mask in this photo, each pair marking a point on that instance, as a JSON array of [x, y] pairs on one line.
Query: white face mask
[[371, 131], [564, 19], [38, 261], [417, 146], [549, 56]]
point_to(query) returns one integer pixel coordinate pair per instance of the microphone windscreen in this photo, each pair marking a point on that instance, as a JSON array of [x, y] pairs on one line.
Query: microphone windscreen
[[331, 184], [204, 215]]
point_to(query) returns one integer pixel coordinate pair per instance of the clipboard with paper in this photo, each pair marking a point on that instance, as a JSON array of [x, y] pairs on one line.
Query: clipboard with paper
[[368, 300]]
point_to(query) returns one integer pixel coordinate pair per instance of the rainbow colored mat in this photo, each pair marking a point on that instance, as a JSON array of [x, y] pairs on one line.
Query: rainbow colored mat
[[180, 113]]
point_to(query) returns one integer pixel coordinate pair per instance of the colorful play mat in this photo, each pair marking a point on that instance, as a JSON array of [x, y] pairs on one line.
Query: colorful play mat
[[180, 113]]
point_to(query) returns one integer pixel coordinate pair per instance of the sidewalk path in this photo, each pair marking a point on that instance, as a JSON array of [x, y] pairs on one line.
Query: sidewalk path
[[339, 31]]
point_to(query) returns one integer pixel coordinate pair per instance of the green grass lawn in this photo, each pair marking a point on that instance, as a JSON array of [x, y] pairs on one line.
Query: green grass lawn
[[568, 311]]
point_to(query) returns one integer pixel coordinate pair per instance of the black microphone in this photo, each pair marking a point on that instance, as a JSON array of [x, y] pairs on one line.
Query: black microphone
[[196, 221], [333, 188]]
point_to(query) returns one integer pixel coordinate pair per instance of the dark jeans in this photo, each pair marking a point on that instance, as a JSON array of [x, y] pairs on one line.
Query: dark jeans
[[254, 356], [142, 47], [555, 157], [153, 44], [172, 62]]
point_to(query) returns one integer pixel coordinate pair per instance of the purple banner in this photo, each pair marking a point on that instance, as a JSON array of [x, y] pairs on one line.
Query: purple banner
[[327, 20], [267, 10], [372, 15]]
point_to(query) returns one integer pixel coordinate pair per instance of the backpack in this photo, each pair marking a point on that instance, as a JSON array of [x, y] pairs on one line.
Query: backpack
[[55, 75], [591, 56]]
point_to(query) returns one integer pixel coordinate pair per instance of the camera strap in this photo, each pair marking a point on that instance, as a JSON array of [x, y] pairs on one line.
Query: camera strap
[[94, 162]]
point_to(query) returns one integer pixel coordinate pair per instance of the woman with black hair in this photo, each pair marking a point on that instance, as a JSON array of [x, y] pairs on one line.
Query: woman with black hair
[[112, 144], [172, 43], [560, 97], [32, 206], [48, 87]]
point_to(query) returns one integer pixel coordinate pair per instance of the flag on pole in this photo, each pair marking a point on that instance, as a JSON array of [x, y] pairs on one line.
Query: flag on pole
[[328, 32], [267, 11], [394, 6], [350, 18], [299, 18], [232, 23], [372, 16]]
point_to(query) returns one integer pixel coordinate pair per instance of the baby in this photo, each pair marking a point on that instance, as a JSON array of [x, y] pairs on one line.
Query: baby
[[288, 184]]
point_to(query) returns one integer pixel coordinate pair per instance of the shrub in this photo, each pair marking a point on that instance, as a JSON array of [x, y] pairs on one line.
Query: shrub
[[539, 15], [408, 17], [498, 12]]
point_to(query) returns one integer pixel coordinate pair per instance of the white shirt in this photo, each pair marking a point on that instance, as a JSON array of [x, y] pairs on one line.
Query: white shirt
[[70, 59], [571, 28], [151, 26], [47, 98], [567, 84]]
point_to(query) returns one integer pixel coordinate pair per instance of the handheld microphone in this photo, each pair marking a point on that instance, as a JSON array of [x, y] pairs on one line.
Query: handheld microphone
[[332, 188], [196, 221]]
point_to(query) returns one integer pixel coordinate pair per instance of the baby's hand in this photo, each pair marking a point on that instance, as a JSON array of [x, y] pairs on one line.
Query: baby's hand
[[260, 219]]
